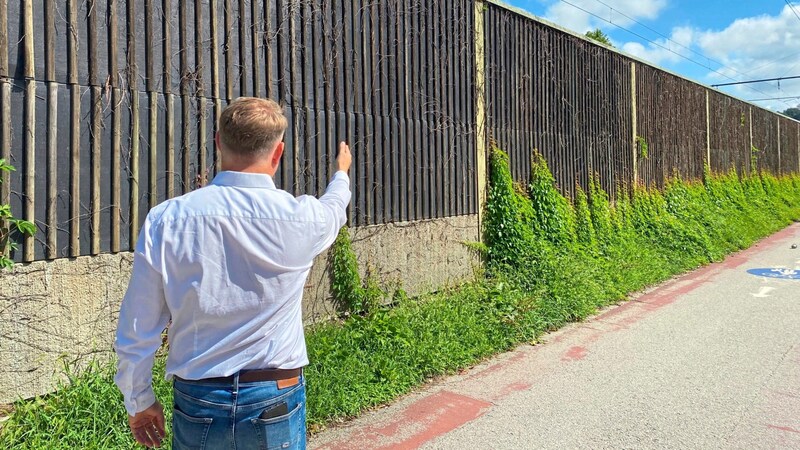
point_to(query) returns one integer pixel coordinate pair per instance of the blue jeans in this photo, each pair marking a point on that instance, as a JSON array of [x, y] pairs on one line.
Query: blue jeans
[[226, 416]]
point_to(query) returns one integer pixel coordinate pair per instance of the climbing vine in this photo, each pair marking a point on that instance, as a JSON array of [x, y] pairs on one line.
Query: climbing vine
[[10, 225]]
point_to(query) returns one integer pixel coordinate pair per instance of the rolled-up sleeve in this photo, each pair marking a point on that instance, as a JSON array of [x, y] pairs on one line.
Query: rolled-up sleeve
[[143, 317], [334, 203]]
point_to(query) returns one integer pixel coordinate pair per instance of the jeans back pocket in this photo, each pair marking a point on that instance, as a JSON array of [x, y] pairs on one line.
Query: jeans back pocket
[[189, 433], [282, 432]]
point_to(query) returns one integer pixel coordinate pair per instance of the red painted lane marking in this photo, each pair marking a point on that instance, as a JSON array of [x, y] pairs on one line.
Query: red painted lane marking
[[512, 388], [423, 420], [787, 429], [576, 353]]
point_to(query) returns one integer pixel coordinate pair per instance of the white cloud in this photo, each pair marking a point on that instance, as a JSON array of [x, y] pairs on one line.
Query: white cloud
[[758, 47], [581, 21], [665, 50]]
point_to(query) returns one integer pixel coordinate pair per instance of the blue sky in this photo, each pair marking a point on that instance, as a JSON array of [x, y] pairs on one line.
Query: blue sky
[[740, 40]]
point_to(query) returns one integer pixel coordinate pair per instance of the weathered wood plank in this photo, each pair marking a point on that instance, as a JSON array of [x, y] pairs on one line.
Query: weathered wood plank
[[135, 124], [29, 127], [116, 126], [51, 248]]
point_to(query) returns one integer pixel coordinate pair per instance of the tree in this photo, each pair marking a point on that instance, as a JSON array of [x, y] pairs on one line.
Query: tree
[[599, 36], [794, 113]]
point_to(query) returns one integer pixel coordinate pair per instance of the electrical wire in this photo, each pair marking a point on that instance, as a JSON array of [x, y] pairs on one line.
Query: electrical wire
[[658, 32], [669, 39], [663, 47], [757, 81], [793, 10], [774, 98]]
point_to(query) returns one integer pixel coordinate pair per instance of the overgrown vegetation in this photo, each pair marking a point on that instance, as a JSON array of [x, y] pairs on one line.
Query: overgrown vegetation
[[644, 148], [10, 225], [548, 261]]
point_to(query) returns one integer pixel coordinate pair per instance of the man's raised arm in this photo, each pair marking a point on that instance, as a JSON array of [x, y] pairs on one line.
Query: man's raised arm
[[336, 198]]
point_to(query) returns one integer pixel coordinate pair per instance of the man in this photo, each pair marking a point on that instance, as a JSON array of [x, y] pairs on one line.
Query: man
[[226, 264]]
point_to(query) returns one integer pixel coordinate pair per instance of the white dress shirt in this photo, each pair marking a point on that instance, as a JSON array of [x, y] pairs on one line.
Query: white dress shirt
[[227, 265]]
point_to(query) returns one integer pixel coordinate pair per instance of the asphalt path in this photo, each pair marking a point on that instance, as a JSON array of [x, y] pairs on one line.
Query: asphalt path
[[710, 359]]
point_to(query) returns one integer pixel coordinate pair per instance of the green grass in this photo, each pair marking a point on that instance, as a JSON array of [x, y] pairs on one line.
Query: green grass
[[547, 263]]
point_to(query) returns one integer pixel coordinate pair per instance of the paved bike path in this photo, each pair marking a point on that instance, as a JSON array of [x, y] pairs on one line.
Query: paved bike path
[[708, 360]]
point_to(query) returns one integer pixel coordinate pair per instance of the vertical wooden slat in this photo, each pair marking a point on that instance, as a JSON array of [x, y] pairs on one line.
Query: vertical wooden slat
[[481, 169], [634, 144], [243, 63], [52, 130], [777, 170], [134, 118], [283, 70], [349, 94], [5, 101], [96, 126], [215, 76], [292, 159], [414, 114], [116, 147], [3, 38], [29, 127], [75, 131], [200, 92], [255, 32], [440, 208], [169, 99], [368, 75], [229, 62], [395, 95], [152, 94], [406, 32], [183, 29], [749, 150], [268, 41], [430, 118]]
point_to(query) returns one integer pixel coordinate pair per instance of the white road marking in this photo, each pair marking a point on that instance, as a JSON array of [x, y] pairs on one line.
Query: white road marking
[[764, 292]]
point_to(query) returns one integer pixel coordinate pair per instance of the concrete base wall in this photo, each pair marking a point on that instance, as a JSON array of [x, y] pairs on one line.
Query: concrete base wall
[[64, 312]]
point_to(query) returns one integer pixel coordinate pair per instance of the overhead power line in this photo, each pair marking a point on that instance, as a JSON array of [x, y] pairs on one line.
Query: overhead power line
[[756, 81], [774, 98], [669, 39], [793, 10], [663, 47]]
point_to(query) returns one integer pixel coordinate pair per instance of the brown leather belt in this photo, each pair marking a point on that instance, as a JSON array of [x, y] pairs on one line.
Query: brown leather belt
[[284, 377]]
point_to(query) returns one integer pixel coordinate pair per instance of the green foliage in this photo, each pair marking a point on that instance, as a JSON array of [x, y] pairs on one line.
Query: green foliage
[[598, 35], [644, 148], [754, 151], [345, 279], [794, 113], [553, 217], [584, 228], [353, 296], [507, 232], [478, 248], [600, 210], [10, 225], [86, 413]]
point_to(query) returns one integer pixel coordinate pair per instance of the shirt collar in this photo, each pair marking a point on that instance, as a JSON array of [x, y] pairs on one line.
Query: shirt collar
[[245, 180]]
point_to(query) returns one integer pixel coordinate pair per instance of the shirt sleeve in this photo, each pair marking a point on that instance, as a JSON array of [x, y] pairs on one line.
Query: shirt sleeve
[[142, 318], [334, 203]]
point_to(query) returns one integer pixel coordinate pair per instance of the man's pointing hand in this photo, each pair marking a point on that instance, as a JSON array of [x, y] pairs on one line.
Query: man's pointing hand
[[343, 157]]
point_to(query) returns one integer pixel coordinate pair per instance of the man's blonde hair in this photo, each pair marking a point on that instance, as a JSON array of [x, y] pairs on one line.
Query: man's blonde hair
[[251, 127]]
